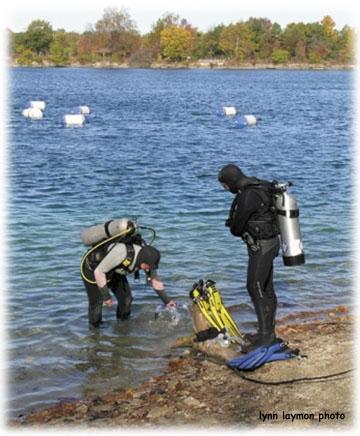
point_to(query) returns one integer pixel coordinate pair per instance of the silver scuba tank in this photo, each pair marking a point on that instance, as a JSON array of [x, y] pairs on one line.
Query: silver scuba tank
[[288, 220], [94, 234]]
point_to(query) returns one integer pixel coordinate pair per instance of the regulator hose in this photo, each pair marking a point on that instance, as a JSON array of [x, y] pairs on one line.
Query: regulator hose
[[152, 231]]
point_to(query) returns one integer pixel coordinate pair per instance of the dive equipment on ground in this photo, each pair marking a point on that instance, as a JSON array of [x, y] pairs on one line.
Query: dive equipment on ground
[[262, 355], [288, 220], [208, 299]]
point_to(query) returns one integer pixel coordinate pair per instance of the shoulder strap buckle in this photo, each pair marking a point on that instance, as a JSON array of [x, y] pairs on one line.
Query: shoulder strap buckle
[[130, 255]]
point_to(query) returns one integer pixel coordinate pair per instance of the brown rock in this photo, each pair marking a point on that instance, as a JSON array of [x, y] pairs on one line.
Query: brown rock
[[193, 402]]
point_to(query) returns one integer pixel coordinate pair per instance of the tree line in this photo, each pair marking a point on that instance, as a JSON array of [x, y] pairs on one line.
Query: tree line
[[115, 39]]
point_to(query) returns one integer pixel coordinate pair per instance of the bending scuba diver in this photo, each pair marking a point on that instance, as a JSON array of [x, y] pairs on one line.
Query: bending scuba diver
[[252, 217], [105, 267]]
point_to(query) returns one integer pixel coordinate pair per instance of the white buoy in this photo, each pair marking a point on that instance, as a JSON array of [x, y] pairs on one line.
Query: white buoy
[[74, 119], [229, 110], [37, 104], [250, 120], [85, 110], [33, 113], [25, 113]]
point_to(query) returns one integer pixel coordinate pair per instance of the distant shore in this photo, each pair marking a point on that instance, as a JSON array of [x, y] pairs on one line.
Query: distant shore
[[206, 64]]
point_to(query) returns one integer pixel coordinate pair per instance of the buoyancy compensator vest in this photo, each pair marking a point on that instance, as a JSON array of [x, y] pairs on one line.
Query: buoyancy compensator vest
[[263, 223], [96, 256], [277, 215], [122, 230]]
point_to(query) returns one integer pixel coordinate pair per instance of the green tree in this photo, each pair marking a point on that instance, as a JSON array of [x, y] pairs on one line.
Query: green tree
[[209, 43], [38, 37], [316, 46], [262, 37], [236, 41], [17, 43], [345, 45], [72, 40], [280, 56], [294, 40], [175, 43], [59, 48], [329, 37], [28, 57]]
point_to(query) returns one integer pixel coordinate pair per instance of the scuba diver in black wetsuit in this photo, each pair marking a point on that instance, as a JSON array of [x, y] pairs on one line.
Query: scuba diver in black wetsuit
[[253, 218]]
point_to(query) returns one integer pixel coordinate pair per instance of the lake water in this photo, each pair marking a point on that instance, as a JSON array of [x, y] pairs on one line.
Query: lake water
[[152, 148]]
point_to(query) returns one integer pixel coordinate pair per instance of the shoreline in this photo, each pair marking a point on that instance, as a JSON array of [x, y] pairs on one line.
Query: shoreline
[[196, 390], [196, 66]]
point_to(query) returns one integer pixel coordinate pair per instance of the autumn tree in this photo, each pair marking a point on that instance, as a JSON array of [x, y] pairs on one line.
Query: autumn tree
[[152, 39], [237, 41], [88, 47], [115, 37], [118, 33], [175, 43]]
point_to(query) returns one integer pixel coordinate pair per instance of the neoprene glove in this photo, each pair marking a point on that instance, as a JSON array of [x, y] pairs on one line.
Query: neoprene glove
[[105, 292]]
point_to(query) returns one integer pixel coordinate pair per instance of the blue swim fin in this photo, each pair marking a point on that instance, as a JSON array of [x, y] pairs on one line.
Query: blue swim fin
[[286, 353], [251, 358], [261, 355]]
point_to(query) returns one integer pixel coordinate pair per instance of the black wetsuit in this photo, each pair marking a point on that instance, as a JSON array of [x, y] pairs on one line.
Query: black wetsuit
[[117, 281], [120, 287], [251, 218]]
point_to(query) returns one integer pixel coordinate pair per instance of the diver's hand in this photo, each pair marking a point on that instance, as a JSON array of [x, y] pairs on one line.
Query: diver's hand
[[108, 302], [157, 284], [171, 303]]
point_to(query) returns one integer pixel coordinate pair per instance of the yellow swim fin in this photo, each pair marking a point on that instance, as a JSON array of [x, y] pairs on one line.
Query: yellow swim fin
[[224, 315]]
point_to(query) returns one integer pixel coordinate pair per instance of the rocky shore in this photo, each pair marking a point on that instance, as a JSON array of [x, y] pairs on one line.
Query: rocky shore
[[204, 64], [314, 391]]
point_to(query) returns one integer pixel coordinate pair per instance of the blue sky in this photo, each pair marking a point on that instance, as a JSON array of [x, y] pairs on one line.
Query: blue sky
[[77, 15]]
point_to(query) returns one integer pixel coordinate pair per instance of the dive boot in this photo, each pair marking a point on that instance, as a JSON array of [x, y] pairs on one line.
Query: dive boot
[[265, 312]]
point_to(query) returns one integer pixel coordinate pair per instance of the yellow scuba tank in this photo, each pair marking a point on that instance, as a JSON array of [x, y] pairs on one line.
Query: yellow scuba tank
[[287, 212]]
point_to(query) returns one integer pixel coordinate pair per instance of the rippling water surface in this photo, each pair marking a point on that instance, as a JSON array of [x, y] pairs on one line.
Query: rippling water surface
[[152, 148]]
